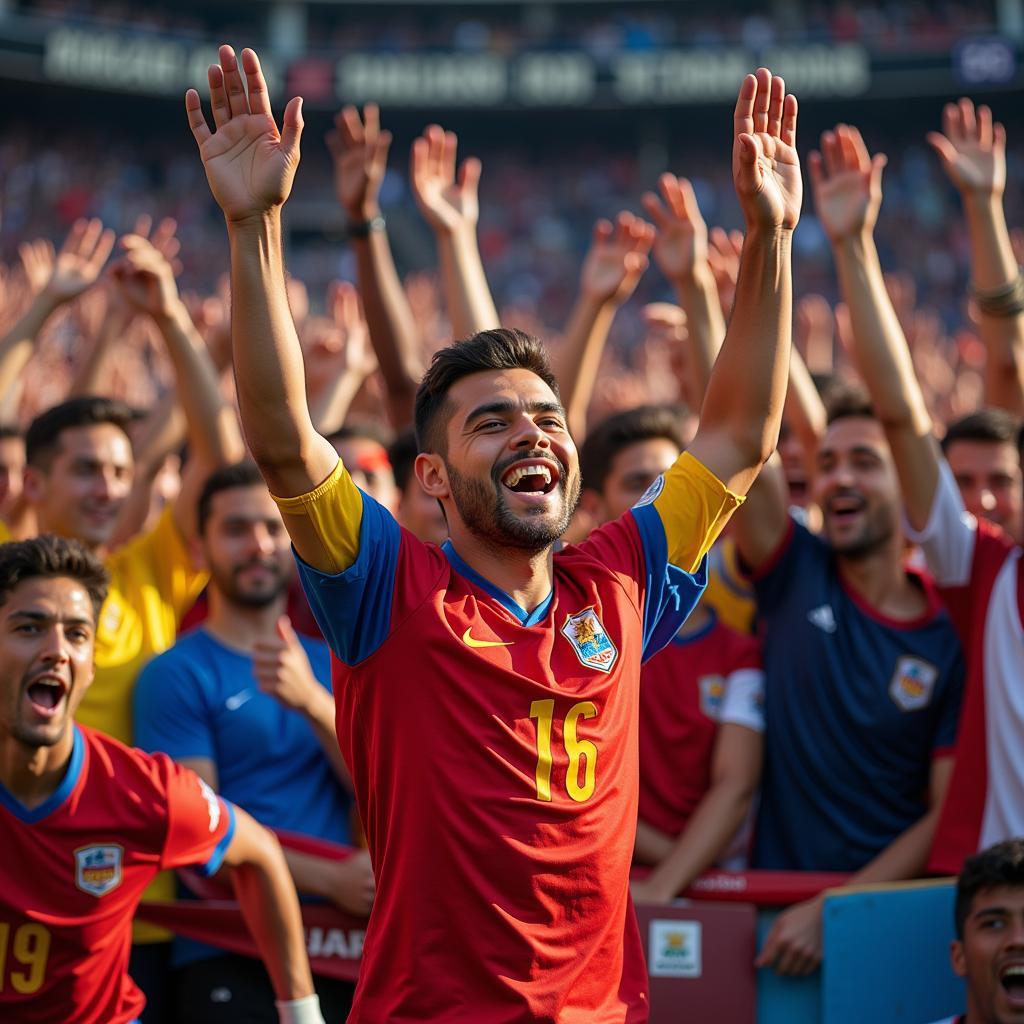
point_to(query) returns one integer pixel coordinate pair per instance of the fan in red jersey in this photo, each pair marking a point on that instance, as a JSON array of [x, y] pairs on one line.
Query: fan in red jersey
[[87, 822], [487, 690]]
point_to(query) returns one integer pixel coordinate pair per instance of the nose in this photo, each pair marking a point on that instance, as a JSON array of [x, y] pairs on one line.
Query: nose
[[987, 500], [528, 434], [261, 539], [54, 649]]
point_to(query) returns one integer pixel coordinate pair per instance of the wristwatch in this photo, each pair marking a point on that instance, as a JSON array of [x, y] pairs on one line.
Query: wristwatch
[[362, 229]]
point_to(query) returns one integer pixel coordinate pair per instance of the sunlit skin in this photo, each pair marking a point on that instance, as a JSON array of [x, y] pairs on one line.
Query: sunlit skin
[[856, 487], [246, 548], [988, 474], [497, 421], [367, 463], [794, 466], [993, 942], [81, 492], [12, 469], [47, 635]]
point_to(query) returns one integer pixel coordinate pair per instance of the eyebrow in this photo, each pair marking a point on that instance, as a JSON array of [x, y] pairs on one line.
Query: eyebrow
[[507, 406], [33, 616]]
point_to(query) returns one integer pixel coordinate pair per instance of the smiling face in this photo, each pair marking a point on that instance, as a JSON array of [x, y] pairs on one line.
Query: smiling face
[[510, 471], [988, 474], [87, 481], [991, 955], [47, 633], [856, 487]]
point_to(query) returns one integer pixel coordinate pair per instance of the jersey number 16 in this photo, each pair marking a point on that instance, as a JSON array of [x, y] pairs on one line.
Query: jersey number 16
[[576, 749]]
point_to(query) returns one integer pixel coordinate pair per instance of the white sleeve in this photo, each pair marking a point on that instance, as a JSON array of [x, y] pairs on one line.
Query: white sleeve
[[948, 539], [743, 702]]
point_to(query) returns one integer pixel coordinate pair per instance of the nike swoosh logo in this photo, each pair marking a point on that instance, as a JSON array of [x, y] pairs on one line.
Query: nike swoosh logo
[[236, 700], [469, 641]]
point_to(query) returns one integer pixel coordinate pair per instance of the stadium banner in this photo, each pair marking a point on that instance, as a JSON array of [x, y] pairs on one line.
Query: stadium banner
[[164, 64]]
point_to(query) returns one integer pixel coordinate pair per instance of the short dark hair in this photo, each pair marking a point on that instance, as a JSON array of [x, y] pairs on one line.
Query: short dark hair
[[622, 429], [43, 434], [995, 426], [402, 454], [503, 348], [844, 402], [998, 866], [52, 557], [227, 478]]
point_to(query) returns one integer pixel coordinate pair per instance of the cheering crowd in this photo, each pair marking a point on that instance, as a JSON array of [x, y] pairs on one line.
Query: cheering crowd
[[819, 547]]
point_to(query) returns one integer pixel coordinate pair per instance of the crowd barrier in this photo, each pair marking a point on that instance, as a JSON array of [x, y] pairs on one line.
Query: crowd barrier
[[886, 947]]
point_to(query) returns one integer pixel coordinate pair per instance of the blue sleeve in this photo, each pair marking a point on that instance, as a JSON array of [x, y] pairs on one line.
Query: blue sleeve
[[353, 608], [670, 594], [949, 713], [169, 710], [212, 866]]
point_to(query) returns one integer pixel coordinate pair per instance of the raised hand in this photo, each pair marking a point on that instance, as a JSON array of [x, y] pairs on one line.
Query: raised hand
[[765, 166], [847, 183], [448, 203], [333, 349], [617, 259], [249, 164], [282, 668], [725, 248], [145, 275], [360, 152], [80, 260], [37, 259], [972, 149], [681, 243]]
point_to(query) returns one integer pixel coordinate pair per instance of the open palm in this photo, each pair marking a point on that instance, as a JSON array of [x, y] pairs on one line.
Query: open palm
[[766, 168], [847, 183], [447, 200], [249, 164], [972, 148]]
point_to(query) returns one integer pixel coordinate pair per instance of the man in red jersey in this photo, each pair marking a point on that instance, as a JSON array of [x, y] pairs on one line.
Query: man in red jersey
[[487, 690], [87, 822]]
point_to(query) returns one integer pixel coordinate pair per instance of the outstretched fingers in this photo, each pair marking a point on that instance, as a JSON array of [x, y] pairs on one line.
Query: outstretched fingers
[[196, 121], [238, 104], [743, 116], [259, 98], [790, 109], [776, 103]]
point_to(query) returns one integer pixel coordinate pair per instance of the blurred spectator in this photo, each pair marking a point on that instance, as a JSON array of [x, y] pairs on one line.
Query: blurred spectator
[[245, 703]]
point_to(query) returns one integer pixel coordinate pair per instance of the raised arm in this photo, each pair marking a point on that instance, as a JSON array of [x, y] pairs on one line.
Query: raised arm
[[250, 166], [611, 270], [681, 251], [74, 269], [450, 205], [973, 152], [146, 277], [742, 411], [847, 186], [360, 151]]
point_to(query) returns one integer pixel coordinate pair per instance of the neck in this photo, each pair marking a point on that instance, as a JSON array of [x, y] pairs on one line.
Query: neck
[[32, 774], [240, 626], [527, 577], [880, 580]]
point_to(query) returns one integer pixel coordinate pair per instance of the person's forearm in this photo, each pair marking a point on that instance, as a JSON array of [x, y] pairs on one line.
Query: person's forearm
[[320, 715], [265, 348], [904, 857], [881, 349], [652, 845], [89, 373], [213, 431], [804, 411], [705, 326], [271, 910], [467, 295], [747, 388], [391, 324], [709, 830], [993, 266], [311, 874], [17, 346], [579, 358]]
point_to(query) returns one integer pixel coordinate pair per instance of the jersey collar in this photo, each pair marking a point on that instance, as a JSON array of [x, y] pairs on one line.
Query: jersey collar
[[525, 618], [58, 796]]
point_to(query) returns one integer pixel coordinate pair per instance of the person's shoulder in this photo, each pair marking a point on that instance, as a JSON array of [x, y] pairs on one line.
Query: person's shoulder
[[128, 767], [185, 655]]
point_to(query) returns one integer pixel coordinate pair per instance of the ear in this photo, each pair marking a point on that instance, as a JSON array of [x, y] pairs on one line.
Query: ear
[[433, 475], [34, 484], [958, 958]]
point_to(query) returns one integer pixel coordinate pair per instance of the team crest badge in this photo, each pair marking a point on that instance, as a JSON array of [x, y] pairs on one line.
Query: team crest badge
[[712, 690], [589, 640], [912, 683], [98, 868]]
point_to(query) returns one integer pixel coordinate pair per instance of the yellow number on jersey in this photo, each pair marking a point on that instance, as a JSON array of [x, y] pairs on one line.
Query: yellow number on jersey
[[576, 749], [30, 948]]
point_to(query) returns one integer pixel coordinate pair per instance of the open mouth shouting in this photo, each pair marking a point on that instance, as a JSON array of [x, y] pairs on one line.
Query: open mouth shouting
[[844, 508], [46, 694], [1011, 979], [532, 479]]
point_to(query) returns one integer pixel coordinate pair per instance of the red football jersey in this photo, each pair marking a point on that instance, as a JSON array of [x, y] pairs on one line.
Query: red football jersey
[[686, 691], [74, 869]]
